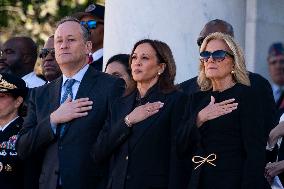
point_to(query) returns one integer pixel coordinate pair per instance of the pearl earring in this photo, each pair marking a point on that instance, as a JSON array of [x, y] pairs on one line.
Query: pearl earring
[[232, 72]]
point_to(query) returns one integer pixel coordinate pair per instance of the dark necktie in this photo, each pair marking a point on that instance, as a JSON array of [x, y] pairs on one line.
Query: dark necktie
[[68, 92], [280, 100], [90, 61]]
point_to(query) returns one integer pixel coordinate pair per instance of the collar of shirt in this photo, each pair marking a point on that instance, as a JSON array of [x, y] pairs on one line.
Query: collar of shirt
[[78, 77], [5, 126], [276, 91], [32, 80], [98, 54]]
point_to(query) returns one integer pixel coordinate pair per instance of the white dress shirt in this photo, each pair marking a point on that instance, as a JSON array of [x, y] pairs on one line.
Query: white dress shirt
[[98, 54], [78, 77], [277, 90], [32, 80]]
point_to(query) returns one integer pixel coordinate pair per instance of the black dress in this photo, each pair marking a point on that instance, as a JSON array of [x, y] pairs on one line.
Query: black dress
[[144, 156], [237, 139], [11, 168]]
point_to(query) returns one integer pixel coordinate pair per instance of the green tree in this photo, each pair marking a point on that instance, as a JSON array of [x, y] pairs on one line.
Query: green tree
[[35, 18]]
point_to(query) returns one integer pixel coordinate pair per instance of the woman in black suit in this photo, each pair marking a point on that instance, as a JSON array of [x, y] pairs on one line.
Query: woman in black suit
[[139, 136], [223, 120]]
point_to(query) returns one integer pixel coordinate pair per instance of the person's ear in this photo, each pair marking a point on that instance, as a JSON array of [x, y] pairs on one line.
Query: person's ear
[[89, 46], [162, 67], [19, 101]]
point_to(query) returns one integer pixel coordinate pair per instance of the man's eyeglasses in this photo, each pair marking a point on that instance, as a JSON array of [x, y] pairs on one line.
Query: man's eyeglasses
[[45, 51], [217, 56], [91, 24]]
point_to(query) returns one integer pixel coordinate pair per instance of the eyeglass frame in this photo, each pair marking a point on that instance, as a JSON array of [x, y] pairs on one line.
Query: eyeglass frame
[[46, 51], [87, 23], [204, 59]]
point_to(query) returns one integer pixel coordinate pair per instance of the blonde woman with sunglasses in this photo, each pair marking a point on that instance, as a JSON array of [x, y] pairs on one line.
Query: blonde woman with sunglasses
[[222, 131]]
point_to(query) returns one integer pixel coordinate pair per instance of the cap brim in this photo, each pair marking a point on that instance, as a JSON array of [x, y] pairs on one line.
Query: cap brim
[[19, 92], [80, 15]]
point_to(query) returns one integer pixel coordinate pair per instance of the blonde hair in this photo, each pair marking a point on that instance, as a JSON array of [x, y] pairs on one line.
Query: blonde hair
[[240, 74]]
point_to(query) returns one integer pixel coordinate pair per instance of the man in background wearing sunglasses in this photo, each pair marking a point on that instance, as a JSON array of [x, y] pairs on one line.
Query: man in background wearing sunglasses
[[50, 68], [93, 19]]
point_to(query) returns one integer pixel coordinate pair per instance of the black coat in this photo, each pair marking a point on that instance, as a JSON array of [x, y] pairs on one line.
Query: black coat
[[263, 91], [238, 140], [265, 97], [70, 154], [144, 156]]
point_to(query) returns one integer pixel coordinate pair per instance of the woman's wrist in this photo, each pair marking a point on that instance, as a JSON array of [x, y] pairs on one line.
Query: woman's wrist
[[127, 121], [199, 120]]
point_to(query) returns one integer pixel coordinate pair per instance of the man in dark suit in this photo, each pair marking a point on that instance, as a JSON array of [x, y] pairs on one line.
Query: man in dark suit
[[275, 62], [66, 115], [93, 18]]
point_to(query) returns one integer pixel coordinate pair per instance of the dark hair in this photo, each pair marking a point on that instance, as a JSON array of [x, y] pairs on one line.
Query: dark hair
[[164, 55], [217, 24], [26, 46], [23, 108], [86, 32], [123, 59]]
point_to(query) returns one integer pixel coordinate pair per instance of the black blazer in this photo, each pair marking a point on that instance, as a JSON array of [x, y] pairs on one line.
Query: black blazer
[[69, 155], [98, 64], [144, 156], [264, 94], [238, 140]]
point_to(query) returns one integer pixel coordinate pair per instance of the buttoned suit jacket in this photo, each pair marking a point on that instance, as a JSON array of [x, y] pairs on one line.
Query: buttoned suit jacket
[[68, 155], [145, 158]]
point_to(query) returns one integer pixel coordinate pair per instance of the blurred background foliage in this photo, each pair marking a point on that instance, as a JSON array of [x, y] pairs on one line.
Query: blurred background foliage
[[36, 18]]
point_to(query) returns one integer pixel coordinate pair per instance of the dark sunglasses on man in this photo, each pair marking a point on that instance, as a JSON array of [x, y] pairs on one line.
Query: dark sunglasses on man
[[91, 24], [217, 56], [45, 51]]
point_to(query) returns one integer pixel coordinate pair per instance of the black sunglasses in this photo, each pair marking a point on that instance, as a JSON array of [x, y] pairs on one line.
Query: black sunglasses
[[45, 51], [91, 24], [217, 56]]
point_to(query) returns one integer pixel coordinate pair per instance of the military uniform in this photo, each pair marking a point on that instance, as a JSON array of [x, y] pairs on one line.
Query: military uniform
[[11, 172], [12, 110]]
